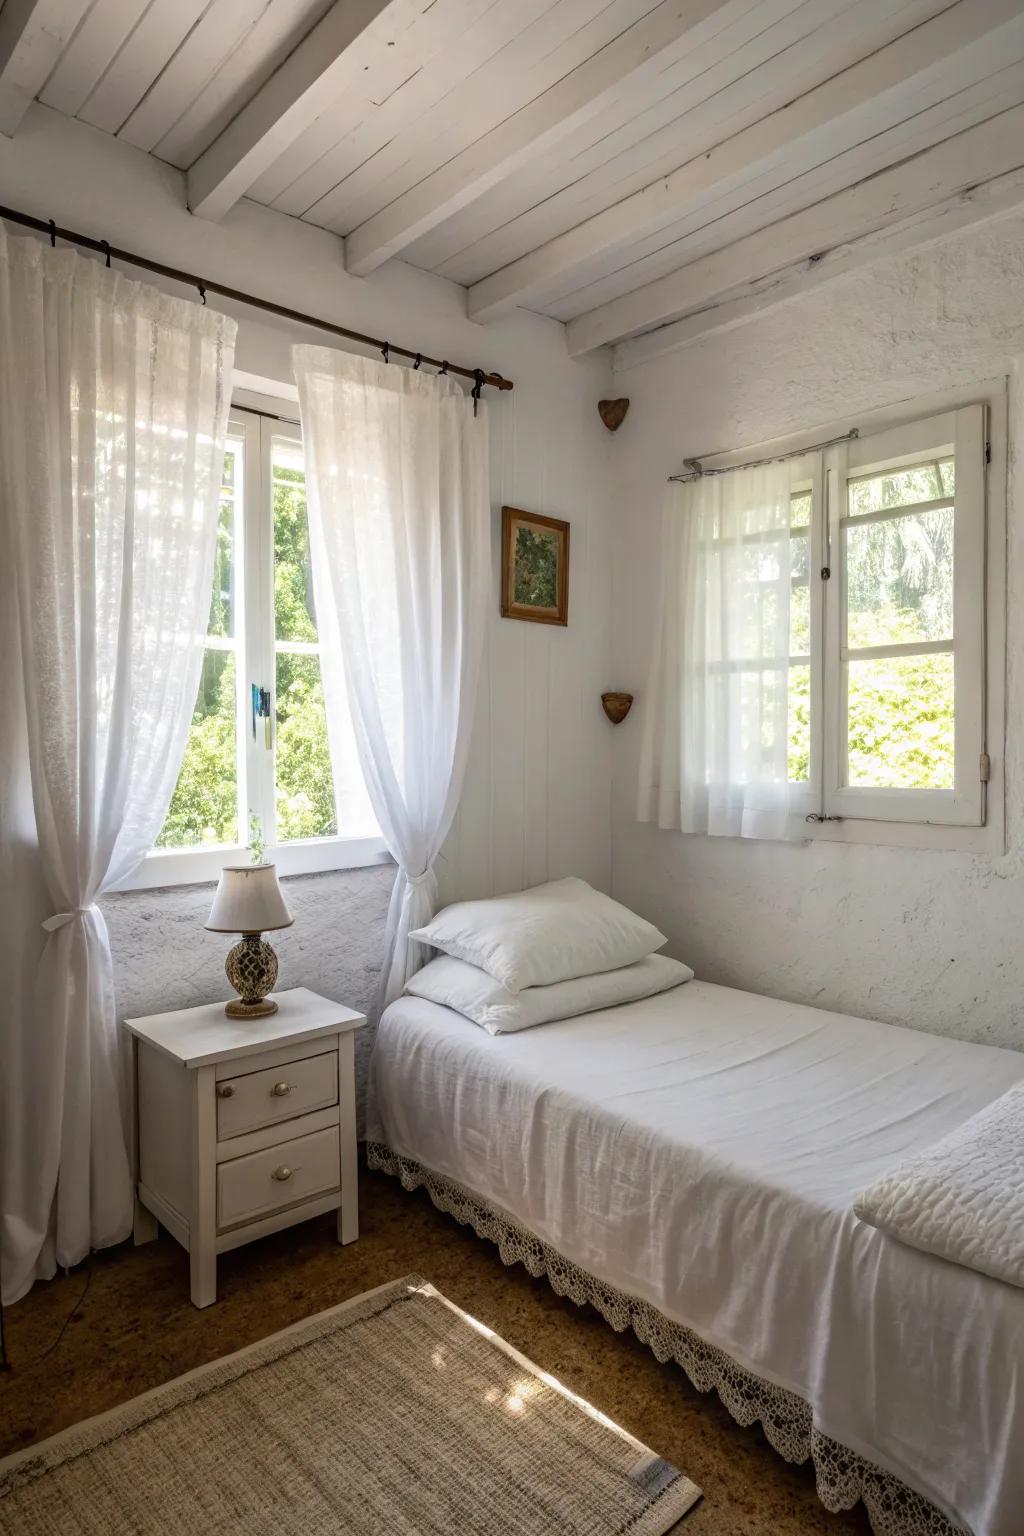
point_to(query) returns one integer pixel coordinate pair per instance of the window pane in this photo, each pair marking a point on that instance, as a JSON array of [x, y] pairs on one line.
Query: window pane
[[900, 722], [899, 579], [800, 509], [222, 601], [799, 726], [205, 804], [800, 598], [294, 609], [902, 487], [304, 792]]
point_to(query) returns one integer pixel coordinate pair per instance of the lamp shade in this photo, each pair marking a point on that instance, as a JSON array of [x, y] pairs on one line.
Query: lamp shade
[[249, 900]]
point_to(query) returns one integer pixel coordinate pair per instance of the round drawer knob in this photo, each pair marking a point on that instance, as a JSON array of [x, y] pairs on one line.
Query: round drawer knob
[[283, 1173], [280, 1090], [225, 1091]]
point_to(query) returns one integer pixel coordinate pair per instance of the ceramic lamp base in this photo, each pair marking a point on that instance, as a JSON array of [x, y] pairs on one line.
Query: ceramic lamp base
[[240, 1010], [251, 968]]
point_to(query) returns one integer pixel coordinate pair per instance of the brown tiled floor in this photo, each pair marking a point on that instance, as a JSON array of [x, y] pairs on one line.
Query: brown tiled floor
[[136, 1328]]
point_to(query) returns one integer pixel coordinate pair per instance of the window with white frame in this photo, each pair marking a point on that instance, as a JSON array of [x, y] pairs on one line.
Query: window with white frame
[[887, 716], [257, 760]]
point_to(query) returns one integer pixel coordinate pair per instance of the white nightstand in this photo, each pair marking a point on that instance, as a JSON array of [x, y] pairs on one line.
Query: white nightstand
[[245, 1126]]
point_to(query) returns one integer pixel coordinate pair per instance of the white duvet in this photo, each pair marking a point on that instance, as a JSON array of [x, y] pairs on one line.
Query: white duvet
[[702, 1150], [963, 1197]]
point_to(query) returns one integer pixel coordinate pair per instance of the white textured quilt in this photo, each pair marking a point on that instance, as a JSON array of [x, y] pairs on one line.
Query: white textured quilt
[[702, 1150], [963, 1197]]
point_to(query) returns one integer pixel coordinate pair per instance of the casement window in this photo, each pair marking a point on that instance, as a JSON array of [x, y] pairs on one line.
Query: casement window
[[257, 760], [896, 615]]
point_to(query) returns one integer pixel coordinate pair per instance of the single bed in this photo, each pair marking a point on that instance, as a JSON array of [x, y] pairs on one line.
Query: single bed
[[689, 1163]]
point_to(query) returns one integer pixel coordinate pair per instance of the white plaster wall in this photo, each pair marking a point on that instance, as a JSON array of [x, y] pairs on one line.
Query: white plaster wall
[[538, 798], [929, 939]]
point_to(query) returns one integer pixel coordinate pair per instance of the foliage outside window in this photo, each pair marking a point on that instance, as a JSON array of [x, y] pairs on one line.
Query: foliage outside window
[[304, 786], [232, 771], [899, 591], [205, 807]]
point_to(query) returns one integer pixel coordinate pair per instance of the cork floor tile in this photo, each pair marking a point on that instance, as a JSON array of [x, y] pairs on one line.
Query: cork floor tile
[[134, 1328]]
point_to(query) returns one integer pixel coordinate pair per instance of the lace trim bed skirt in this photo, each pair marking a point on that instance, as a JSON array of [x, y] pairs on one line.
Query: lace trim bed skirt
[[842, 1476]]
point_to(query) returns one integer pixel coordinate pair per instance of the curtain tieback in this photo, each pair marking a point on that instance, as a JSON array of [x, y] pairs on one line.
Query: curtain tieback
[[414, 880], [60, 919]]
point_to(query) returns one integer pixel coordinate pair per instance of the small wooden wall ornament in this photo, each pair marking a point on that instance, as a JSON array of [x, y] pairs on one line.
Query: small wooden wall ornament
[[617, 706], [613, 413]]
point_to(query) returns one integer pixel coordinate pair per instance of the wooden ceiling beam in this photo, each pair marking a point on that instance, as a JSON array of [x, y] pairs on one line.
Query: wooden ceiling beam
[[326, 64], [639, 52], [968, 41], [33, 35]]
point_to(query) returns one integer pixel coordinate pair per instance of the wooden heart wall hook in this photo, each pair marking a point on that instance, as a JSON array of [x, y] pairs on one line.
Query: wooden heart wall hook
[[613, 413], [616, 706]]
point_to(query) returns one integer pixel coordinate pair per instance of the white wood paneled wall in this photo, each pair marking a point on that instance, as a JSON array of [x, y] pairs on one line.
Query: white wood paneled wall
[[536, 803]]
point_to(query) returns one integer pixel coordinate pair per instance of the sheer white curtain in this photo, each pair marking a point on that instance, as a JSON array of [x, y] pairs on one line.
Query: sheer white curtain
[[113, 415], [715, 732], [399, 521]]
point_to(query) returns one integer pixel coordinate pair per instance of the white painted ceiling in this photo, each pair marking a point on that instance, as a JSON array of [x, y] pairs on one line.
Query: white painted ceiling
[[636, 168]]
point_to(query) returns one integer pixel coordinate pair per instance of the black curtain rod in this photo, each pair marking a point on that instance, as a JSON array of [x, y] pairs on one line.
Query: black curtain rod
[[209, 285]]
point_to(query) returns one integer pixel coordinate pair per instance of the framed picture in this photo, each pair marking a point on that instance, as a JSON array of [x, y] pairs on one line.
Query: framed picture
[[534, 567]]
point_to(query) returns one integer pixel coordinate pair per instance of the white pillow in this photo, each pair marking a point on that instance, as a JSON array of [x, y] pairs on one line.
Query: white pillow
[[469, 990], [551, 933]]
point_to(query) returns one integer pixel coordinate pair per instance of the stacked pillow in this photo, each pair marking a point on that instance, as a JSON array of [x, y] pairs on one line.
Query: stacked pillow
[[535, 956]]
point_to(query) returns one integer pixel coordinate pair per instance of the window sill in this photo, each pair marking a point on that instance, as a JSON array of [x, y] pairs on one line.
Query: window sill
[[200, 866]]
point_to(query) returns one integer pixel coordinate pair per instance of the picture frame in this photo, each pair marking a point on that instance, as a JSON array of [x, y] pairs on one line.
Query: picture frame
[[534, 567]]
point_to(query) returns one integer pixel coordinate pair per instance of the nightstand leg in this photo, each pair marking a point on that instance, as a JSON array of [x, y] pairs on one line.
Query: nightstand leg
[[348, 1211], [144, 1227], [202, 1236]]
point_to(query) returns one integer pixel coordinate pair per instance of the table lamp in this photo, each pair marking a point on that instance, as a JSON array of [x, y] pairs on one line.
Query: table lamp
[[249, 901]]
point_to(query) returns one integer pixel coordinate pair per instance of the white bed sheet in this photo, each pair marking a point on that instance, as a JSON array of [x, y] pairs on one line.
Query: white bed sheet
[[701, 1150]]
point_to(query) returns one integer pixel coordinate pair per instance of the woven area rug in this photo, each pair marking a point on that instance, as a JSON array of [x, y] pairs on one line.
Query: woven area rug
[[394, 1414]]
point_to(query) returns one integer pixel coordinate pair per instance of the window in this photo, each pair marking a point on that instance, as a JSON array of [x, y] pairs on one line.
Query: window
[[262, 653], [888, 677]]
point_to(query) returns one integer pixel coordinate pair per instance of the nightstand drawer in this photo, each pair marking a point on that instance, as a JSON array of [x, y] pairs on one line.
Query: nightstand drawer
[[251, 1186], [257, 1099]]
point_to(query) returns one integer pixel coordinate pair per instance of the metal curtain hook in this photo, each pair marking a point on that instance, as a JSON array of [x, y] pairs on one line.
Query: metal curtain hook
[[106, 251], [385, 349], [419, 359], [444, 366], [53, 234], [479, 376], [202, 291]]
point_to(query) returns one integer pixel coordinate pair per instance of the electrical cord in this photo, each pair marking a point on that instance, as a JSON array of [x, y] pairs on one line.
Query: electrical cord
[[7, 1364]]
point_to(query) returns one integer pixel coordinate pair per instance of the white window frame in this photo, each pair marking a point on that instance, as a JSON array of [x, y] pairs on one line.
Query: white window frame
[[962, 432], [255, 650], [987, 557]]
